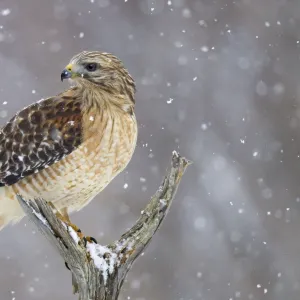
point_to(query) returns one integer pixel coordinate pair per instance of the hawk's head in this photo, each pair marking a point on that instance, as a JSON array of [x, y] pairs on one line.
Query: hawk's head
[[94, 68]]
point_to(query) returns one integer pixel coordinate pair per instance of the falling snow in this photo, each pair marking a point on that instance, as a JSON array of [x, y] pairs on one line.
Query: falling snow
[[5, 12], [218, 82]]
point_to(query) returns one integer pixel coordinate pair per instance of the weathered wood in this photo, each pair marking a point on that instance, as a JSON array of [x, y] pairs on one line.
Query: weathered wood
[[98, 272]]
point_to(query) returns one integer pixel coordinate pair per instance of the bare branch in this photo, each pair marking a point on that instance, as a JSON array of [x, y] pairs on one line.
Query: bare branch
[[98, 272]]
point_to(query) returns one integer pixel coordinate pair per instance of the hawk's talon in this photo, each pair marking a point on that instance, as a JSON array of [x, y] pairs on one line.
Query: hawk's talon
[[89, 239], [67, 266], [76, 229]]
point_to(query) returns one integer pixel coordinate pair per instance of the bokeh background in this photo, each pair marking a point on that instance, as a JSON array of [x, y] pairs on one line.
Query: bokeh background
[[218, 81]]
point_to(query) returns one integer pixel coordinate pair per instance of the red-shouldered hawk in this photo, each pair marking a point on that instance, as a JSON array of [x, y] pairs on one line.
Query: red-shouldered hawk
[[67, 148]]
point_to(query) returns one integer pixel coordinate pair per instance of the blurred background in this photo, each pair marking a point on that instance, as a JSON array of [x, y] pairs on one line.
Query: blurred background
[[218, 81]]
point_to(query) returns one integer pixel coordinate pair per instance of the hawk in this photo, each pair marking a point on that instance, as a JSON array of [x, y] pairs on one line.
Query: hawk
[[67, 148]]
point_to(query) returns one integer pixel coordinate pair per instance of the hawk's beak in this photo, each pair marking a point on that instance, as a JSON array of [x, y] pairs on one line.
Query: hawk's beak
[[67, 73]]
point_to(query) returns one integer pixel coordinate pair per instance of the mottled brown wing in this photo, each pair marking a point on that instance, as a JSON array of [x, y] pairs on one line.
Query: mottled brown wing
[[38, 136]]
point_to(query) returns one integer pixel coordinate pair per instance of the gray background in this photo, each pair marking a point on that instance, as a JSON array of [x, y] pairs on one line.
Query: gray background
[[232, 69]]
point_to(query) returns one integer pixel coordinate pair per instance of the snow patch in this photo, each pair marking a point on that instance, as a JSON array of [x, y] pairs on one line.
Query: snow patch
[[106, 266], [73, 234]]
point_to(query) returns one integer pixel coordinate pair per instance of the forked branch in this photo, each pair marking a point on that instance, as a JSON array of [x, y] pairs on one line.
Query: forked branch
[[98, 272]]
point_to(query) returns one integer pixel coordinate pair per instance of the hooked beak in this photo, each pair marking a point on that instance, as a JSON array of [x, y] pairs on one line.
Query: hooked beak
[[67, 73]]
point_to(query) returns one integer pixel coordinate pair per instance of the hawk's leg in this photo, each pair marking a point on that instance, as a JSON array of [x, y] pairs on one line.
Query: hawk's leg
[[64, 216]]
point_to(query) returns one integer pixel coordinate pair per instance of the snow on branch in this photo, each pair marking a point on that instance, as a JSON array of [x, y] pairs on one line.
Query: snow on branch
[[98, 272]]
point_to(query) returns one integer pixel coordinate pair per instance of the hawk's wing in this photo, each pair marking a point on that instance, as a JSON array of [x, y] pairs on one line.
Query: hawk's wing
[[39, 135]]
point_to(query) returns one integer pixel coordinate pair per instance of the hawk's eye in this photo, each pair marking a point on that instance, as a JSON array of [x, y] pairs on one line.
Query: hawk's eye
[[91, 67]]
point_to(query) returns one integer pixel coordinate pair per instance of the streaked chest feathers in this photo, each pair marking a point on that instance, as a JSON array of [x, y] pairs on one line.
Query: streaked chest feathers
[[107, 147]]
